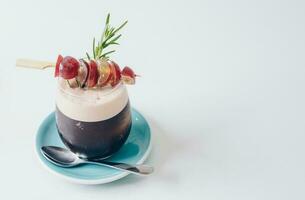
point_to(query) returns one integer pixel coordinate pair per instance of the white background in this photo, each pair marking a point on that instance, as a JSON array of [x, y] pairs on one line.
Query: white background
[[222, 87]]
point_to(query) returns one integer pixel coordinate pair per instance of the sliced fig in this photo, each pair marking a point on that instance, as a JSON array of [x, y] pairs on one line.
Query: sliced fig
[[83, 74], [104, 73], [59, 59], [128, 76], [68, 68], [93, 74]]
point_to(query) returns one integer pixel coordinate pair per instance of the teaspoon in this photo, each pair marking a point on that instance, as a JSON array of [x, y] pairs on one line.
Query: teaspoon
[[65, 158]]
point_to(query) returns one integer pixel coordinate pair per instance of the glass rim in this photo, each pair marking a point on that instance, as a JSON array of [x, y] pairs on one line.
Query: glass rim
[[109, 91]]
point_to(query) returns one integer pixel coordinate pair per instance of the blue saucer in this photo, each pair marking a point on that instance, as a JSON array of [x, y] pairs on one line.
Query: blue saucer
[[135, 151]]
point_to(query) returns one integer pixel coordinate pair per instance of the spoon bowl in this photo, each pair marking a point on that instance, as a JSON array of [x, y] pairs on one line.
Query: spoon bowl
[[60, 156]]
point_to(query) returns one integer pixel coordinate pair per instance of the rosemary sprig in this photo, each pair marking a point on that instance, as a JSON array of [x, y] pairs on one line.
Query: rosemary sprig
[[108, 38]]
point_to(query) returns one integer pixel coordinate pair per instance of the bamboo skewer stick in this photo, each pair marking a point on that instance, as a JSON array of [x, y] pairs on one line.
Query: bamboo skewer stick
[[36, 64]]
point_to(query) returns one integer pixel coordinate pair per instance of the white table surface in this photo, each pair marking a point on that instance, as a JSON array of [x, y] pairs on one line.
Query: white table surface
[[222, 87]]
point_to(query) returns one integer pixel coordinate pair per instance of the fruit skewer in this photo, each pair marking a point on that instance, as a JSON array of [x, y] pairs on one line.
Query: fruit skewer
[[96, 70], [83, 73]]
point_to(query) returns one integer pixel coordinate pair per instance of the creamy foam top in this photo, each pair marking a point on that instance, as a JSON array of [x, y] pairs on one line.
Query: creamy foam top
[[91, 105]]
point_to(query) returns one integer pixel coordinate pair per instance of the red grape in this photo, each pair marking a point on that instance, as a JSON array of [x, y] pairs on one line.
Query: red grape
[[116, 73], [59, 59], [128, 75], [69, 68]]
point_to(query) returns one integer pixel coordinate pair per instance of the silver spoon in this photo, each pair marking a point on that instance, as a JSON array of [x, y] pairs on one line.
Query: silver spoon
[[66, 158]]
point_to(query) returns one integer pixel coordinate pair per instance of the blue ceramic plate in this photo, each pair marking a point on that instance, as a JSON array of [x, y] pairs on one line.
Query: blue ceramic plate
[[135, 151]]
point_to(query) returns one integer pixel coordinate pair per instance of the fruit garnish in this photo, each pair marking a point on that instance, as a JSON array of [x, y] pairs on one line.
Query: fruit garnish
[[83, 74], [128, 76], [97, 70], [117, 70], [68, 68], [116, 73], [93, 74], [104, 73], [59, 59]]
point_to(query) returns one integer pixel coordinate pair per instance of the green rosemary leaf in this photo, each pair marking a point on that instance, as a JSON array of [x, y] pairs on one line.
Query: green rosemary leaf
[[88, 56], [106, 32], [111, 34], [116, 30], [114, 43], [116, 38], [97, 50], [105, 54], [94, 50], [108, 19]]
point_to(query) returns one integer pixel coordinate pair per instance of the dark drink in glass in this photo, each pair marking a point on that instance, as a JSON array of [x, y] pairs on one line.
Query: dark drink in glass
[[93, 123]]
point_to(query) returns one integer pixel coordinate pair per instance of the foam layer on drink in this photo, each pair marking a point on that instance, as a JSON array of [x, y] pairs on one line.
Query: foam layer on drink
[[90, 105]]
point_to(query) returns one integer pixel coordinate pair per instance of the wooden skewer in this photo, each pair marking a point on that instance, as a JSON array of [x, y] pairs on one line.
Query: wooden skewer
[[36, 64]]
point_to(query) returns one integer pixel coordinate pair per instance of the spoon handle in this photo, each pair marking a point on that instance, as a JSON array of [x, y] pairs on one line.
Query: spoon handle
[[135, 169]]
